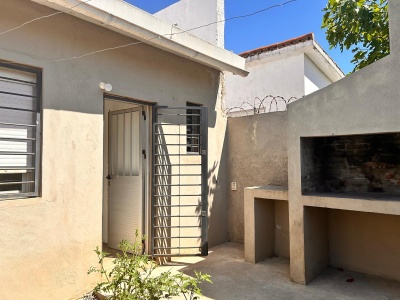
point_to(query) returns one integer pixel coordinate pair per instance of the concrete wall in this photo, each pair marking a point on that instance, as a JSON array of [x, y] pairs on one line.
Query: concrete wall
[[282, 248], [314, 78], [257, 154], [46, 242], [316, 235], [365, 242], [278, 77], [190, 14], [361, 103]]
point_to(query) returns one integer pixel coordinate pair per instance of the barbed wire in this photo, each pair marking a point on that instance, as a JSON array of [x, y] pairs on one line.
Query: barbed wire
[[266, 104]]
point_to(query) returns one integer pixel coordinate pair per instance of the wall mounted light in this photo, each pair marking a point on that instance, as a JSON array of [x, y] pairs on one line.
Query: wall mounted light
[[105, 86]]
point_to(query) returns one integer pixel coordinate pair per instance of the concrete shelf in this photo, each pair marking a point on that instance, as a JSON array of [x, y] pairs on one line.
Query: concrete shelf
[[266, 222]]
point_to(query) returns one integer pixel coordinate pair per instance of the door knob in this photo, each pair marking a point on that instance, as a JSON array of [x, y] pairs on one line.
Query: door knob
[[108, 177]]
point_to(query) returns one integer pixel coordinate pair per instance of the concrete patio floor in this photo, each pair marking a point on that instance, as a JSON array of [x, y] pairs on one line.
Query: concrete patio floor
[[233, 278]]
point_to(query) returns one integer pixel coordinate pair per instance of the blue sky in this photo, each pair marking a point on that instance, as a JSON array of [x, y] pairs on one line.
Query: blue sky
[[276, 25]]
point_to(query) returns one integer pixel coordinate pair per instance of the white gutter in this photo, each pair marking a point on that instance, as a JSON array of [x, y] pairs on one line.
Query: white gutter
[[128, 20]]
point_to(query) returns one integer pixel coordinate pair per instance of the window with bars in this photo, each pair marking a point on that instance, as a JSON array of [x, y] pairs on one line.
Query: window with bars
[[20, 106], [193, 128]]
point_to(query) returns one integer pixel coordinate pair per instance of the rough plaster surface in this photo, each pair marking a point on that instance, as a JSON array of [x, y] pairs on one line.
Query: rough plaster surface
[[316, 241], [361, 103], [189, 14], [257, 151], [46, 243], [365, 242]]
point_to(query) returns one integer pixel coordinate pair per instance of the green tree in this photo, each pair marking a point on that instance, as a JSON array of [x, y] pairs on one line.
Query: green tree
[[359, 25]]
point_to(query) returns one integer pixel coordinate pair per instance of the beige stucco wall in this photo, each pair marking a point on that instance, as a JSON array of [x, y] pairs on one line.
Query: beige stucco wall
[[364, 102], [257, 149], [365, 242], [46, 243]]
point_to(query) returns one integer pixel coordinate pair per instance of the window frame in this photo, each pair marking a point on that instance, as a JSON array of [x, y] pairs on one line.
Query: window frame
[[37, 125]]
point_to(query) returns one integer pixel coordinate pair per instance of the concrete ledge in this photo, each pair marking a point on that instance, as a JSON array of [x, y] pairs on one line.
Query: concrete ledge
[[259, 220], [272, 192], [380, 204]]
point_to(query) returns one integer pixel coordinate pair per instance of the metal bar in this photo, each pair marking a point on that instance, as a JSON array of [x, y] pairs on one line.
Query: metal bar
[[38, 132], [180, 216], [204, 177], [16, 139], [123, 144], [153, 178], [192, 154], [17, 80], [182, 226], [166, 195], [179, 107], [175, 165], [17, 109], [178, 114], [17, 94], [181, 205], [183, 175], [183, 145], [15, 182], [178, 184], [18, 67], [17, 168], [177, 247], [177, 134], [16, 153], [178, 237], [177, 174], [161, 124], [131, 143], [15, 124]]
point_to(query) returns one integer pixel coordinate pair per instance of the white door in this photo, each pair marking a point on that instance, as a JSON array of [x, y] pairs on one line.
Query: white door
[[125, 176]]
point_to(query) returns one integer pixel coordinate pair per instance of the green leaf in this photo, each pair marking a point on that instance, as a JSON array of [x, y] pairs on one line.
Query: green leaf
[[350, 23]]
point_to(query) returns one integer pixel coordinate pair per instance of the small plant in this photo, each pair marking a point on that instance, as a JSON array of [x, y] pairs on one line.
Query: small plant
[[133, 277]]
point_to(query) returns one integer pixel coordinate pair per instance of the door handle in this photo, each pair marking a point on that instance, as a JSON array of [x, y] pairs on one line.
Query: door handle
[[109, 177]]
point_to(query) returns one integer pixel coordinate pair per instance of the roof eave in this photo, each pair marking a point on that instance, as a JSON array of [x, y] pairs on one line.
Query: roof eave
[[130, 21], [324, 62]]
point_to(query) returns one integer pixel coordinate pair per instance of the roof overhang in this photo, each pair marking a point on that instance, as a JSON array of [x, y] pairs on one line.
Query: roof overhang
[[133, 22]]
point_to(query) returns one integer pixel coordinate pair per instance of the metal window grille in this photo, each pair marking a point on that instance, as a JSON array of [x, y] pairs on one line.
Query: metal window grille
[[193, 128], [20, 106]]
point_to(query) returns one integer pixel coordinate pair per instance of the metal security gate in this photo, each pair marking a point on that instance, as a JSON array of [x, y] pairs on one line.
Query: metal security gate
[[180, 188]]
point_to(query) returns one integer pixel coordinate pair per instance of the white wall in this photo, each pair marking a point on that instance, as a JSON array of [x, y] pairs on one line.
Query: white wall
[[314, 78], [189, 14], [281, 77]]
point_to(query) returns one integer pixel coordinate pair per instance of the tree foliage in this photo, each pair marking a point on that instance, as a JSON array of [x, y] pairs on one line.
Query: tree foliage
[[359, 25]]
